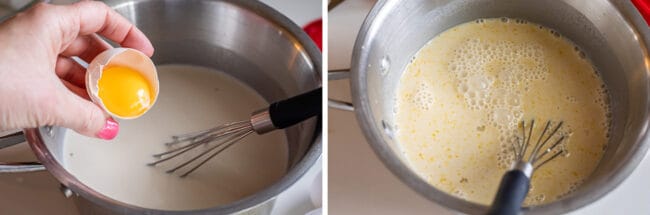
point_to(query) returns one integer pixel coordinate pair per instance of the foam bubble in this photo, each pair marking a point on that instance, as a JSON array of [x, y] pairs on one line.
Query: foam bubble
[[512, 64], [423, 97], [501, 116], [572, 188], [571, 99]]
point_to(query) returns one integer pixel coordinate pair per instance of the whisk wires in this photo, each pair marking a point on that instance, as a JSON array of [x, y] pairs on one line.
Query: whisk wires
[[218, 139], [539, 154]]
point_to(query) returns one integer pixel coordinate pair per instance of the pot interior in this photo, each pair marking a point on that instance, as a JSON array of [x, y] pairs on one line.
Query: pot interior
[[395, 31], [246, 40], [227, 37]]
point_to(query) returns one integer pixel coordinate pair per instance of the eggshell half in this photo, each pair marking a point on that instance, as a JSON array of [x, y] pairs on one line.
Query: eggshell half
[[125, 57]]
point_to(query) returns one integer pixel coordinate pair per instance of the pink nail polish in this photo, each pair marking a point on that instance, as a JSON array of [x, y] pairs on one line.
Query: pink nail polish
[[110, 129]]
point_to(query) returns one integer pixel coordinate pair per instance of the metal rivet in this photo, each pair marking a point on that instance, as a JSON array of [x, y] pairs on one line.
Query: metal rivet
[[66, 191], [384, 65], [387, 129], [49, 130]]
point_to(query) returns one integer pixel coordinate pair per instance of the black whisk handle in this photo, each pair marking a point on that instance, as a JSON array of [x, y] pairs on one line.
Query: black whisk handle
[[296, 109], [511, 194]]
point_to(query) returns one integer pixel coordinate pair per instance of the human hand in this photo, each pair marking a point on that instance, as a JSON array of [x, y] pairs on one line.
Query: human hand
[[39, 82]]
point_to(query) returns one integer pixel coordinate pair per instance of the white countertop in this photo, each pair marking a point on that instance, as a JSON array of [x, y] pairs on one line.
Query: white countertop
[[360, 184], [38, 193]]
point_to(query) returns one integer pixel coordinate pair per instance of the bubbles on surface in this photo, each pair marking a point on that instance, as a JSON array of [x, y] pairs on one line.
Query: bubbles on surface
[[520, 21], [501, 117], [423, 97], [572, 188], [534, 199], [582, 55], [482, 87], [506, 155], [490, 75]]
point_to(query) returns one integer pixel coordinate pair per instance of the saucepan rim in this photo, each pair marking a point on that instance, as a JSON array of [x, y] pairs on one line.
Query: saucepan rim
[[36, 141], [373, 134]]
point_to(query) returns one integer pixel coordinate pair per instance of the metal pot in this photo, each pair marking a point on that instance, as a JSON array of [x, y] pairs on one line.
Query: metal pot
[[246, 39], [611, 33]]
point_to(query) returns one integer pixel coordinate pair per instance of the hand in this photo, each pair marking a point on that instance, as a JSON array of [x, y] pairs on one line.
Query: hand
[[40, 84]]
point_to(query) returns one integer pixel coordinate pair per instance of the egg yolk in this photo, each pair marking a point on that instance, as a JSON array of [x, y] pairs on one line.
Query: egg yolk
[[124, 91]]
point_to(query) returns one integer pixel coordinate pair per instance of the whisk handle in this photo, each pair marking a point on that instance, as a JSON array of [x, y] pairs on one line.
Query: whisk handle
[[296, 109], [511, 194]]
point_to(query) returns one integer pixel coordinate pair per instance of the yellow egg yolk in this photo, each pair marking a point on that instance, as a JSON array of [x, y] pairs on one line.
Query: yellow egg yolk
[[124, 91]]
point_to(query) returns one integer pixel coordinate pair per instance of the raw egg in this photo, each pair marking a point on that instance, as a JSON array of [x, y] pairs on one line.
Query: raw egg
[[123, 82]]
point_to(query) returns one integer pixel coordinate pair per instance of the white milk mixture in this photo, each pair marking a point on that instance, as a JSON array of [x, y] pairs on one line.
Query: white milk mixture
[[461, 98], [191, 99]]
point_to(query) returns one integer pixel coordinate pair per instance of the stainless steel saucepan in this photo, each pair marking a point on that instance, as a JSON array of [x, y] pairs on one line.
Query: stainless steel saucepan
[[246, 39], [612, 33]]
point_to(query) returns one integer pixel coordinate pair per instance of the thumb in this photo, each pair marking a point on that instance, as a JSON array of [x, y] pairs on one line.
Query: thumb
[[85, 117]]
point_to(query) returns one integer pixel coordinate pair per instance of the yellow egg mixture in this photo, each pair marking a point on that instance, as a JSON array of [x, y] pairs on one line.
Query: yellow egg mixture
[[461, 98], [124, 91]]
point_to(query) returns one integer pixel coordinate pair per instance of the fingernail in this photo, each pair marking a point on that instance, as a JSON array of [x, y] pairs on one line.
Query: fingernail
[[110, 129]]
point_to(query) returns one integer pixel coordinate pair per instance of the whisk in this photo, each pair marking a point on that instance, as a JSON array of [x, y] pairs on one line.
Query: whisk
[[278, 115], [515, 183]]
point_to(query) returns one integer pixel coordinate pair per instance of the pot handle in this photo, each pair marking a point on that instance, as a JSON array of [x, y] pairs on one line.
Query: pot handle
[[338, 104], [17, 167], [18, 137]]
